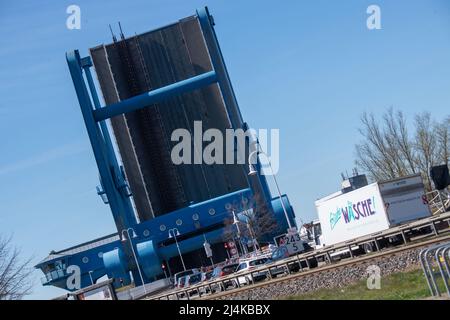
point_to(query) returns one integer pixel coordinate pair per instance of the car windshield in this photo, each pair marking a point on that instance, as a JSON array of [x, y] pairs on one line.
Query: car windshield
[[258, 262], [242, 266], [279, 253], [183, 274], [181, 281], [195, 278], [216, 272], [230, 268]]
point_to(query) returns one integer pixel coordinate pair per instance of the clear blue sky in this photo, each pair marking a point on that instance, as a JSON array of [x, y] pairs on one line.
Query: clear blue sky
[[309, 68]]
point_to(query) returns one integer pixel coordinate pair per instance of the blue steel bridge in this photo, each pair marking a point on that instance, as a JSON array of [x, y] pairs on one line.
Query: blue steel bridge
[[152, 84]]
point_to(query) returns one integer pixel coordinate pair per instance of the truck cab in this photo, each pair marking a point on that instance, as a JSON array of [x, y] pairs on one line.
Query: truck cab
[[311, 233]]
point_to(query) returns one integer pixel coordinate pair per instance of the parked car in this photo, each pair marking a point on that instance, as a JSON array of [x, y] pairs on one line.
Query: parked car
[[278, 255], [281, 253], [222, 271], [248, 265], [206, 276], [177, 277], [193, 279], [182, 282], [216, 272], [228, 269]]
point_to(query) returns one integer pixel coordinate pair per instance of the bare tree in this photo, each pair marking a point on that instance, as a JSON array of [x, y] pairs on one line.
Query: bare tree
[[443, 141], [388, 151], [259, 221], [397, 136], [15, 274], [425, 144], [229, 231], [262, 224]]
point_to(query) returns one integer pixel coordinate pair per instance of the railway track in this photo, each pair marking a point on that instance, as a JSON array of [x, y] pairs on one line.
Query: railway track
[[440, 231]]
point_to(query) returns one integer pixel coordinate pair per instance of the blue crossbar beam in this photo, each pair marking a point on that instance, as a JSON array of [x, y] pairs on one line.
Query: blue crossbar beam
[[154, 96]]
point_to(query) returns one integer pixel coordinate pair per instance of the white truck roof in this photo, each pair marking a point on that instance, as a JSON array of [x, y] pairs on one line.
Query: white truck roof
[[330, 196]]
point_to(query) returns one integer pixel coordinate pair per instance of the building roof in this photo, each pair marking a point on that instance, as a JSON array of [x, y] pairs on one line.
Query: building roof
[[80, 248]]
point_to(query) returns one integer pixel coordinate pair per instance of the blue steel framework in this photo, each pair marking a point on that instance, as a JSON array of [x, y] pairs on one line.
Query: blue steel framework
[[111, 256]]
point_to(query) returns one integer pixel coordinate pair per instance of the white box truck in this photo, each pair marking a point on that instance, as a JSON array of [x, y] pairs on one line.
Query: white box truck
[[372, 208]]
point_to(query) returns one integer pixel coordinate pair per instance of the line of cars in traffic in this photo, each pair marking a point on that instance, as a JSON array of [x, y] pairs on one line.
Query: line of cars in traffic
[[192, 277], [265, 266]]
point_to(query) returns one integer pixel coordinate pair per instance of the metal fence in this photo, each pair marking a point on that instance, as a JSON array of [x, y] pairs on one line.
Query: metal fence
[[435, 262], [434, 226], [233, 281], [438, 201]]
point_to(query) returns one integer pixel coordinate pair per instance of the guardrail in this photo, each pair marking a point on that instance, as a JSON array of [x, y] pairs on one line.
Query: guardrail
[[441, 258], [307, 261], [438, 200]]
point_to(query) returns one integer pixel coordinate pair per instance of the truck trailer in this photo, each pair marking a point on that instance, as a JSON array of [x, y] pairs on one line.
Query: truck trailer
[[370, 209]]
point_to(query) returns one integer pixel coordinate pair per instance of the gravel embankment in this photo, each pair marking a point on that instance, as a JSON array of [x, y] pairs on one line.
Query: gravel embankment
[[337, 277]]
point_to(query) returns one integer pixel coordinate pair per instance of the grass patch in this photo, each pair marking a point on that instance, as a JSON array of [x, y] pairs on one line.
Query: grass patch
[[398, 286]]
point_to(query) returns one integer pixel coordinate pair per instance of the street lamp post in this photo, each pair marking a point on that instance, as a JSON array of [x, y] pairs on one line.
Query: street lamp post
[[236, 223], [127, 231], [206, 242], [252, 233], [173, 234], [252, 172]]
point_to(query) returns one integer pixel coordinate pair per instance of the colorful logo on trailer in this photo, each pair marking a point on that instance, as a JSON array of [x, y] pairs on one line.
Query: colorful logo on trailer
[[353, 212]]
